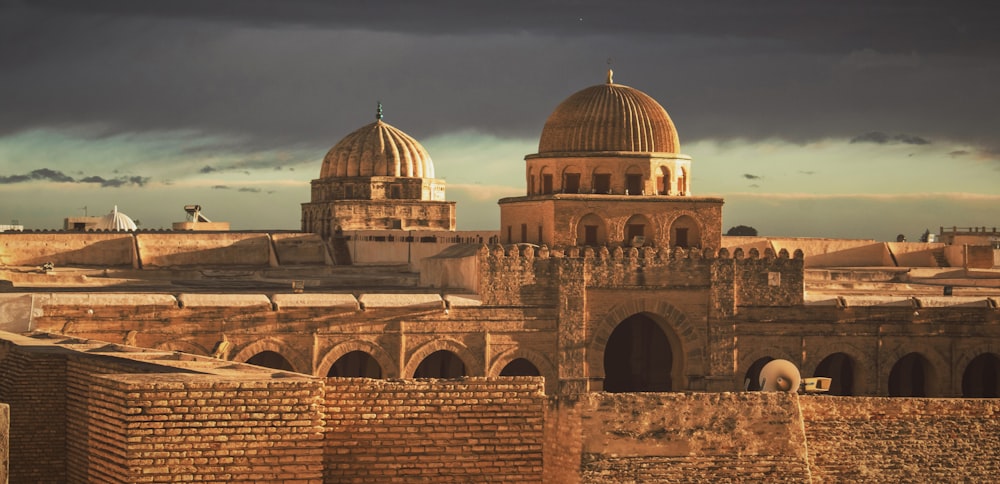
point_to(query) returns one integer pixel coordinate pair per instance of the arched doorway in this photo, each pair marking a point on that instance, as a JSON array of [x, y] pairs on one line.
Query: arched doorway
[[751, 382], [590, 230], [685, 232], [357, 364], [839, 368], [981, 378], [270, 359], [520, 367], [638, 357], [908, 377], [440, 364]]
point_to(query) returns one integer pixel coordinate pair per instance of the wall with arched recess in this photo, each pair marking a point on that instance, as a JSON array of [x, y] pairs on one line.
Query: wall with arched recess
[[541, 362], [473, 364], [865, 378], [389, 367], [686, 341], [300, 363]]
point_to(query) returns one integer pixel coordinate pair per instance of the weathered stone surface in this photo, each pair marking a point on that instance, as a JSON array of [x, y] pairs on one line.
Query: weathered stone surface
[[189, 300], [285, 301], [401, 301]]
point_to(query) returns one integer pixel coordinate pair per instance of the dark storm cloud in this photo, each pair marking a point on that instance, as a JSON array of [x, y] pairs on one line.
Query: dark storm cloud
[[304, 73], [750, 176], [959, 153], [881, 138], [250, 189], [47, 174]]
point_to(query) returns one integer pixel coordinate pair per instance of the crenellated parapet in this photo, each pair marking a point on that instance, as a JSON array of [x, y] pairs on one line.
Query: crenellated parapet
[[745, 278]]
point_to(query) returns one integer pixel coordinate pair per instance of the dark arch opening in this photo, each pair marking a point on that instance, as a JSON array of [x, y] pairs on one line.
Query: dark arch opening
[[520, 367], [908, 377], [440, 364], [751, 381], [638, 357], [839, 368], [356, 364], [981, 378], [271, 359]]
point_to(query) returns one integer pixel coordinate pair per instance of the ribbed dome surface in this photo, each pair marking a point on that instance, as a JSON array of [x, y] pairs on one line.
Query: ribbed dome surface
[[609, 117], [116, 221], [377, 149]]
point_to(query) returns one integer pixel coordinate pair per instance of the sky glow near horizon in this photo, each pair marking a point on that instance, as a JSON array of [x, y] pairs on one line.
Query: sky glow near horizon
[[860, 132]]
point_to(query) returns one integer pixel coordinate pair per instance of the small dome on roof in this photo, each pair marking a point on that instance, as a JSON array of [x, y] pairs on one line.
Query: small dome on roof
[[116, 221], [609, 117], [377, 149]]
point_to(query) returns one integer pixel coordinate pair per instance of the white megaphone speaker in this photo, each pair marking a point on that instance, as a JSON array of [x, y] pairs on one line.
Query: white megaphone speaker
[[780, 376]]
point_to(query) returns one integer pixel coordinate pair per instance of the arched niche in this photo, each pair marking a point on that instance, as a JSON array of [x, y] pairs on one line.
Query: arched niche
[[638, 231], [685, 232], [297, 361], [546, 181], [635, 179], [355, 364], [601, 182], [441, 364], [539, 361], [591, 230]]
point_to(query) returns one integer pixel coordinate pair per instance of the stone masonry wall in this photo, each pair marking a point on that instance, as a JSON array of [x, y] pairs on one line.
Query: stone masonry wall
[[467, 430], [694, 437], [855, 439], [66, 248]]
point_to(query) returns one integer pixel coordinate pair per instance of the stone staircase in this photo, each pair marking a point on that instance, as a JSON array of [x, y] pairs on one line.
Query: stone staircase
[[939, 258]]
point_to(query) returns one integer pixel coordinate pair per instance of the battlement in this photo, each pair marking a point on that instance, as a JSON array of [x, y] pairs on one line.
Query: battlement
[[514, 274]]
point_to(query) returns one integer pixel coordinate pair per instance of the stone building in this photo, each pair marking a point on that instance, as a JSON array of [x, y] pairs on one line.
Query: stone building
[[377, 177], [609, 171]]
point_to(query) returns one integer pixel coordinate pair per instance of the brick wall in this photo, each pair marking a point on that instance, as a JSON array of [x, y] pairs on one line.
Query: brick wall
[[902, 439], [4, 442], [89, 412], [34, 385], [466, 430]]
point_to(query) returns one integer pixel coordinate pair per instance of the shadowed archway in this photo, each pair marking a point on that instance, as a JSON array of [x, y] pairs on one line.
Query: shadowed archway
[[440, 364], [271, 359], [751, 382], [355, 364], [839, 367], [909, 376], [638, 357], [981, 378]]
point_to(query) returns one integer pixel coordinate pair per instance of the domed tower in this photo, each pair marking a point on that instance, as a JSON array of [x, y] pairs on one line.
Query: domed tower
[[377, 177], [609, 171]]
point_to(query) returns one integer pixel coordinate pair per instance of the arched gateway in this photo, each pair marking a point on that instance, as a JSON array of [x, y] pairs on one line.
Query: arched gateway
[[643, 351]]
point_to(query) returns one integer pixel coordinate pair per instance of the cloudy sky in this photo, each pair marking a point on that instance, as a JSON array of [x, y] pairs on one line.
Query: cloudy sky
[[845, 119]]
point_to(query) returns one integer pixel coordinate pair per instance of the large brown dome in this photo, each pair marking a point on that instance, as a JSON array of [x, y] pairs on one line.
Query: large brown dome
[[377, 149], [609, 117]]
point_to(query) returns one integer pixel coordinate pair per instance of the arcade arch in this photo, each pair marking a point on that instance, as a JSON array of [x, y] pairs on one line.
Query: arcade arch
[[470, 364], [638, 230], [981, 378], [516, 363], [571, 180], [356, 364], [910, 376], [839, 367], [385, 363], [663, 181], [270, 359], [440, 364]]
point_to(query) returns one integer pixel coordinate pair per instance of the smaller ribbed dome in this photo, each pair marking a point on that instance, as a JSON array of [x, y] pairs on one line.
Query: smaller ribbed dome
[[377, 149], [116, 220], [609, 117]]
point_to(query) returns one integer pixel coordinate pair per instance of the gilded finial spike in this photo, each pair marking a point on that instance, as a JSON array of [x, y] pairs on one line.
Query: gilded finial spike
[[611, 76], [378, 115]]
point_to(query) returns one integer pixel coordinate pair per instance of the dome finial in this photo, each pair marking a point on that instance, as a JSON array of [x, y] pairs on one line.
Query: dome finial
[[611, 73], [378, 114]]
